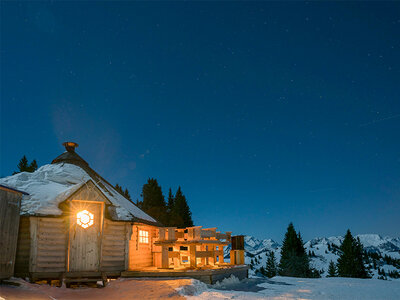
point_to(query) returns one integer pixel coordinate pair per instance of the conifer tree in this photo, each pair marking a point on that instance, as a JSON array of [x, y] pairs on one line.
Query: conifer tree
[[24, 166], [118, 188], [181, 211], [127, 195], [170, 202], [262, 271], [294, 260], [350, 263], [123, 192], [332, 269], [271, 266], [153, 201], [33, 166]]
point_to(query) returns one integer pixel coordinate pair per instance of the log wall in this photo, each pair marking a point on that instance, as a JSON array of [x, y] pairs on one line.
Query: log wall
[[23, 248], [48, 250], [115, 246]]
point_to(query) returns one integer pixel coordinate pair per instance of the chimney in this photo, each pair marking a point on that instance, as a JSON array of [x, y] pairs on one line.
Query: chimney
[[70, 146]]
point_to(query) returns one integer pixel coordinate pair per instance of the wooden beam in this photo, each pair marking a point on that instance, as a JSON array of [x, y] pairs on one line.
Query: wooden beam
[[192, 254]]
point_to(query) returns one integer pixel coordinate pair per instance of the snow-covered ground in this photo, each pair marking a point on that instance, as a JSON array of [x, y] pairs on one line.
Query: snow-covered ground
[[231, 288], [295, 288], [121, 289]]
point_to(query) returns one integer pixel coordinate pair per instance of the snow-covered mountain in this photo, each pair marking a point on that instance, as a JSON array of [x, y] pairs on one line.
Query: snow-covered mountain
[[323, 250]]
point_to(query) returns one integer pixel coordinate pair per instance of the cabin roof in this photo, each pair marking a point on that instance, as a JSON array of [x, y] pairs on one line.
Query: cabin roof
[[53, 183], [12, 189]]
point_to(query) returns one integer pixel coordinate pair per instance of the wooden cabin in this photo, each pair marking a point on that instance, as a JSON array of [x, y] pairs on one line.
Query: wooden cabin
[[75, 226], [10, 203]]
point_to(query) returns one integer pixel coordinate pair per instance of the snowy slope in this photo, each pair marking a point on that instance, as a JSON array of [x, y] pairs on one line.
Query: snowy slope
[[294, 288], [324, 250]]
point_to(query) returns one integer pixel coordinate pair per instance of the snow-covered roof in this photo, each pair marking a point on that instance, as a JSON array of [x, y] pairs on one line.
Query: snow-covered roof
[[52, 184]]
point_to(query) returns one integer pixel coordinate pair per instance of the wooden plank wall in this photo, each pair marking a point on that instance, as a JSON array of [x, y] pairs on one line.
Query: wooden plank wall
[[49, 244], [10, 203], [114, 246], [23, 248], [141, 255]]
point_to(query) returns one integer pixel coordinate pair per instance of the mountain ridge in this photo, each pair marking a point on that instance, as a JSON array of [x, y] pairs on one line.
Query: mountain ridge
[[323, 250]]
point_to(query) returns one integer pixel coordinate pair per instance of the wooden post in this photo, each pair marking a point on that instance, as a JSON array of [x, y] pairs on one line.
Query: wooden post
[[164, 257], [171, 233], [193, 260], [211, 260], [233, 258], [161, 234], [221, 257]]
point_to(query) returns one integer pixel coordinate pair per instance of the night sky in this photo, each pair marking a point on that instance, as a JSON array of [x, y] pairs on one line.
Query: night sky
[[264, 113]]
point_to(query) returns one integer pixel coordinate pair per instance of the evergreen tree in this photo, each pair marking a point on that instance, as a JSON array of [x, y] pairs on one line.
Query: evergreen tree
[[170, 207], [350, 262], [118, 188], [170, 202], [153, 201], [127, 195], [294, 260], [182, 216], [33, 166], [24, 166], [123, 192], [262, 271], [332, 269], [271, 266]]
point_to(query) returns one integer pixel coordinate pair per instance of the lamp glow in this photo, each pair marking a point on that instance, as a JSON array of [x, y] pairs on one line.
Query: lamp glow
[[84, 219]]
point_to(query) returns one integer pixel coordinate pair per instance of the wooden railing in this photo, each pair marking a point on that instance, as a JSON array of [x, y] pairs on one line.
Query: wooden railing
[[195, 233]]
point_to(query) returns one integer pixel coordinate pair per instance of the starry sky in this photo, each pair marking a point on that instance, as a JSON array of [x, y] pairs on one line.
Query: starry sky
[[263, 112]]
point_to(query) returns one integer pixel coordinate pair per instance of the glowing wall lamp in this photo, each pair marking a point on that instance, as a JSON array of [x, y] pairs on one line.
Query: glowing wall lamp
[[84, 219]]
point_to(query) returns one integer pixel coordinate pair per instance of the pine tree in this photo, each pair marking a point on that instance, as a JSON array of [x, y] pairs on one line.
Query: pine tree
[[23, 165], [153, 201], [182, 216], [127, 195], [262, 271], [350, 263], [170, 207], [33, 166], [123, 192], [294, 260], [271, 266], [118, 188], [171, 199], [332, 269]]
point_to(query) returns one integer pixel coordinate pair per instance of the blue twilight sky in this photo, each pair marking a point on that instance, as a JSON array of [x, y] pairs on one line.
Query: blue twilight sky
[[264, 112]]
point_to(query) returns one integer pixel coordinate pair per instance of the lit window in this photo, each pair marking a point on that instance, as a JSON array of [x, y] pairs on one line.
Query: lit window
[[84, 219], [143, 236]]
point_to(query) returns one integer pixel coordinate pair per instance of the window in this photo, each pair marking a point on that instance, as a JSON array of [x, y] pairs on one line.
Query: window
[[143, 236], [84, 219]]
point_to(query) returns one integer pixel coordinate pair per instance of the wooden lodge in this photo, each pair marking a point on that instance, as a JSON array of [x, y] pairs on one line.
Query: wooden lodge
[[75, 226]]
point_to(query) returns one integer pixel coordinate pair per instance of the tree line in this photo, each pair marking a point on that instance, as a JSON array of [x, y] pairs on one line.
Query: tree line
[[295, 262], [174, 212], [25, 166]]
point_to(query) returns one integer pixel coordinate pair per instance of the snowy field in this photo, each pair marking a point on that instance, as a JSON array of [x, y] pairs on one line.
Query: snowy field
[[232, 288], [295, 288]]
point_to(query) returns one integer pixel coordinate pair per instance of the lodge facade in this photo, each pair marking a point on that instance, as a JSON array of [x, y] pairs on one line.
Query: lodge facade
[[74, 225]]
